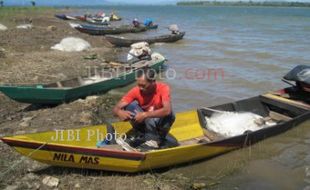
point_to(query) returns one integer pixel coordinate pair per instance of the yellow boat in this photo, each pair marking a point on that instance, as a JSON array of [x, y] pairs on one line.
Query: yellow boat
[[77, 147]]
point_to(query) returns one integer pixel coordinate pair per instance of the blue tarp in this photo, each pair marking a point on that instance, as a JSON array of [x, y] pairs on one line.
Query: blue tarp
[[148, 21]]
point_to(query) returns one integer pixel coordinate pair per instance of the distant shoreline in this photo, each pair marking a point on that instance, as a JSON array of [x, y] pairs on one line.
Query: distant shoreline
[[241, 3]]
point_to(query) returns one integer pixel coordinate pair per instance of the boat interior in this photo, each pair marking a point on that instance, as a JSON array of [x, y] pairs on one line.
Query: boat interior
[[114, 70]]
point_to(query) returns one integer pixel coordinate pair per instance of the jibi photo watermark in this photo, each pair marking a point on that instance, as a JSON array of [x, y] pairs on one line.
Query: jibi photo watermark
[[190, 73], [88, 135]]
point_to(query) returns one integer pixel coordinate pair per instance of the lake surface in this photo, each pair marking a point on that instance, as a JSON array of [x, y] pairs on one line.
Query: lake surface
[[251, 48]]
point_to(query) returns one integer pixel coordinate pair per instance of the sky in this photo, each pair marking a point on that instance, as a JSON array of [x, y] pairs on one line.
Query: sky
[[88, 2], [109, 2]]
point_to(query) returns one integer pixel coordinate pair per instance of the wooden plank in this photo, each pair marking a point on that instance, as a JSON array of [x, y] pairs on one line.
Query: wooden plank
[[113, 147], [288, 101], [279, 117], [81, 81], [194, 141], [59, 84], [210, 135]]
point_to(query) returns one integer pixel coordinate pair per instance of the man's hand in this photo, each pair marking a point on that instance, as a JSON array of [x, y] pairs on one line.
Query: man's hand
[[140, 117], [124, 115]]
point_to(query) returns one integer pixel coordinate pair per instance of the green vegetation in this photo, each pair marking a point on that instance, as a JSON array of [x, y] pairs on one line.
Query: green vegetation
[[9, 13], [244, 3]]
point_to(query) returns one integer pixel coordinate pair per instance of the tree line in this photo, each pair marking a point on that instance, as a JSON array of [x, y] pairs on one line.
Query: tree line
[[244, 3]]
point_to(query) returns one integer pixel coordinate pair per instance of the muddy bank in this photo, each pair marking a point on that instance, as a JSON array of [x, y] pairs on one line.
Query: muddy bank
[[26, 58]]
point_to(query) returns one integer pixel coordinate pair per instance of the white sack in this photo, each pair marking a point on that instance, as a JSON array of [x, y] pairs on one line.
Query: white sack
[[72, 44]]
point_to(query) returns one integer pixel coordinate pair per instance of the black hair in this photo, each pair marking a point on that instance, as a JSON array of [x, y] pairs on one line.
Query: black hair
[[148, 73]]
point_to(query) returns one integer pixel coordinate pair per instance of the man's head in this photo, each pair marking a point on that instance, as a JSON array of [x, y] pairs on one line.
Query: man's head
[[146, 79]]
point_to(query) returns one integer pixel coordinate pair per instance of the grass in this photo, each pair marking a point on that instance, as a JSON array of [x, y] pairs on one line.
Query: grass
[[7, 13]]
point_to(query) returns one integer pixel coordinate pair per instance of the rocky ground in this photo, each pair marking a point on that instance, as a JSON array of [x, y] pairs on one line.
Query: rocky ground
[[26, 58]]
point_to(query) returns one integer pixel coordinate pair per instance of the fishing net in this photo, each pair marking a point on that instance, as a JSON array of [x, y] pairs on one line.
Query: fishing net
[[231, 123], [72, 44], [24, 26], [2, 27]]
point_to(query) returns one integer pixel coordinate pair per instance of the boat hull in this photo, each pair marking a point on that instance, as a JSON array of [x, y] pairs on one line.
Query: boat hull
[[153, 27], [126, 42], [39, 95], [188, 125], [101, 30]]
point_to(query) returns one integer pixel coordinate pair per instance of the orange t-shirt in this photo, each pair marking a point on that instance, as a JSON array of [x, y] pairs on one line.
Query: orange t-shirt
[[149, 102]]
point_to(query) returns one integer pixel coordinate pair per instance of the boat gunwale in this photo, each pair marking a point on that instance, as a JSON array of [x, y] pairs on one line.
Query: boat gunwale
[[130, 155], [146, 38], [218, 142]]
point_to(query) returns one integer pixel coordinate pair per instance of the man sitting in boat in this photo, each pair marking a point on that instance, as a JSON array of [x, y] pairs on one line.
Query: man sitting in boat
[[113, 16], [148, 108], [136, 23], [174, 29]]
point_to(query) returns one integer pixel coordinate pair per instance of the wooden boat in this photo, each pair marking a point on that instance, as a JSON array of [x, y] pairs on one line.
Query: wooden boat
[[126, 42], [93, 20], [111, 18], [103, 30], [72, 89], [195, 140], [96, 22], [65, 17], [155, 26]]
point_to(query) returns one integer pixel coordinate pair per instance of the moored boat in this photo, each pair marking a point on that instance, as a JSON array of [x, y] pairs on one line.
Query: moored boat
[[191, 137], [155, 26], [126, 42], [195, 141], [65, 17], [83, 18], [72, 89], [103, 30], [96, 22]]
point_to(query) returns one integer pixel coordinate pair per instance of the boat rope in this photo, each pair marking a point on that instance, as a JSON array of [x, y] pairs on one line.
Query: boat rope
[[3, 173]]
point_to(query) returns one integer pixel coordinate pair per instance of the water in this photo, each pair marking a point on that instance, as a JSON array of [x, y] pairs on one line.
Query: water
[[254, 47]]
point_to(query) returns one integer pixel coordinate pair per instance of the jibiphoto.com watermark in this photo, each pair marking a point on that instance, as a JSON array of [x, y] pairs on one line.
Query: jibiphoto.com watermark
[[88, 135], [190, 73]]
